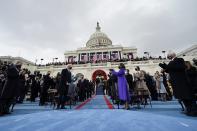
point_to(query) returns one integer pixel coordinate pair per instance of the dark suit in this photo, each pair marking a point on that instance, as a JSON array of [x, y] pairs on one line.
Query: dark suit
[[192, 76], [129, 78], [63, 87], [82, 84], [10, 88], [112, 82], [44, 89]]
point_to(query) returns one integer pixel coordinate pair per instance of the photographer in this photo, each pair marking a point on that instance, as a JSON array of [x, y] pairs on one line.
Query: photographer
[[178, 78]]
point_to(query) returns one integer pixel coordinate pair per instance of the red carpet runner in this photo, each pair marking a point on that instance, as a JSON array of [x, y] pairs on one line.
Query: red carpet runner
[[110, 106]]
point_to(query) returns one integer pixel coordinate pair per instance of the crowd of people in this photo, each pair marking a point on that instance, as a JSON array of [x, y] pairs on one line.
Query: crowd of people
[[178, 78], [17, 85], [101, 61]]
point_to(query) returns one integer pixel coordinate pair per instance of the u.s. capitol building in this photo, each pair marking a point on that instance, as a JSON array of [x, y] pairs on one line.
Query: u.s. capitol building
[[99, 56]]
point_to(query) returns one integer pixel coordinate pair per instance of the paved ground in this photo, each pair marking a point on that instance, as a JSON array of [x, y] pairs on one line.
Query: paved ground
[[94, 114]]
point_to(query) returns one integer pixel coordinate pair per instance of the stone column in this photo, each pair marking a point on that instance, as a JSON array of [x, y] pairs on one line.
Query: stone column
[[88, 56], [66, 58], [79, 59], [119, 55]]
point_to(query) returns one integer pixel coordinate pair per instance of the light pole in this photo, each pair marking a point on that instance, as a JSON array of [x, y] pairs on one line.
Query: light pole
[[164, 53], [36, 61], [148, 54], [56, 59], [53, 60], [41, 60]]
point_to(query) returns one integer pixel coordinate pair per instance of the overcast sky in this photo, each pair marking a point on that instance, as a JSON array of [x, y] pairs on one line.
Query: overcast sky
[[36, 29]]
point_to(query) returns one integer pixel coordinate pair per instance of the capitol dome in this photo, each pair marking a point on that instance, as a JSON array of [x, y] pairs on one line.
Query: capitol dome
[[98, 39]]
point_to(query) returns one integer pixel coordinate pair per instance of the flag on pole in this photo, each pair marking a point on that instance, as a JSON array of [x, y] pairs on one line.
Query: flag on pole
[[116, 56], [99, 56], [86, 58], [95, 58]]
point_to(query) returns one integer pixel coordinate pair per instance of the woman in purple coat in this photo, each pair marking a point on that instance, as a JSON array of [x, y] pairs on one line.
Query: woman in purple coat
[[123, 90]]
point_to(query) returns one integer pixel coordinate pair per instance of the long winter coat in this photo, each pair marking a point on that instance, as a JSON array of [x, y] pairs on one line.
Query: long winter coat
[[179, 81], [11, 85], [123, 89]]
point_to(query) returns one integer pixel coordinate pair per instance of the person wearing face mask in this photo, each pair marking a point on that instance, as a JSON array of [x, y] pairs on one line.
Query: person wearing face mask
[[123, 90], [65, 81]]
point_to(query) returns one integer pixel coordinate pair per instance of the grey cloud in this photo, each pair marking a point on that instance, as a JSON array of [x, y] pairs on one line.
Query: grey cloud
[[46, 28]]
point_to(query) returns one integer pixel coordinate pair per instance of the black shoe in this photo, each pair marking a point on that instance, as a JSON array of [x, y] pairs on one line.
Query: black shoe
[[193, 114], [63, 107]]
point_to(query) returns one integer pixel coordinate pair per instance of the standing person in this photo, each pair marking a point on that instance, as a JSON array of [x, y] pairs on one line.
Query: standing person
[[57, 80], [162, 89], [191, 72], [33, 89], [22, 90], [150, 82], [64, 84], [10, 88], [123, 89], [82, 88], [46, 85], [157, 85], [112, 82], [140, 83], [165, 82], [141, 88], [181, 89], [129, 78], [192, 76]]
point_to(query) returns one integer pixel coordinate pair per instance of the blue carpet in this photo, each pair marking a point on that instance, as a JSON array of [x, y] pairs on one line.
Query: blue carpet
[[95, 116]]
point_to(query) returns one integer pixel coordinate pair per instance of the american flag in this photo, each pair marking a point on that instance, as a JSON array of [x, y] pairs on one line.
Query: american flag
[[105, 56], [114, 56], [99, 56], [130, 56], [72, 59], [95, 58], [85, 57]]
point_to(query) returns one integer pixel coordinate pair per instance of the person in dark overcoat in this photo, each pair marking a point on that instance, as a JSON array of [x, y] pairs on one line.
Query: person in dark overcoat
[[46, 85], [10, 88], [64, 85], [129, 78], [82, 85], [178, 78]]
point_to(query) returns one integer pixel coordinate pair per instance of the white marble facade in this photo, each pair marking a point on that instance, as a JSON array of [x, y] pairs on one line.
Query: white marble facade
[[189, 54]]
